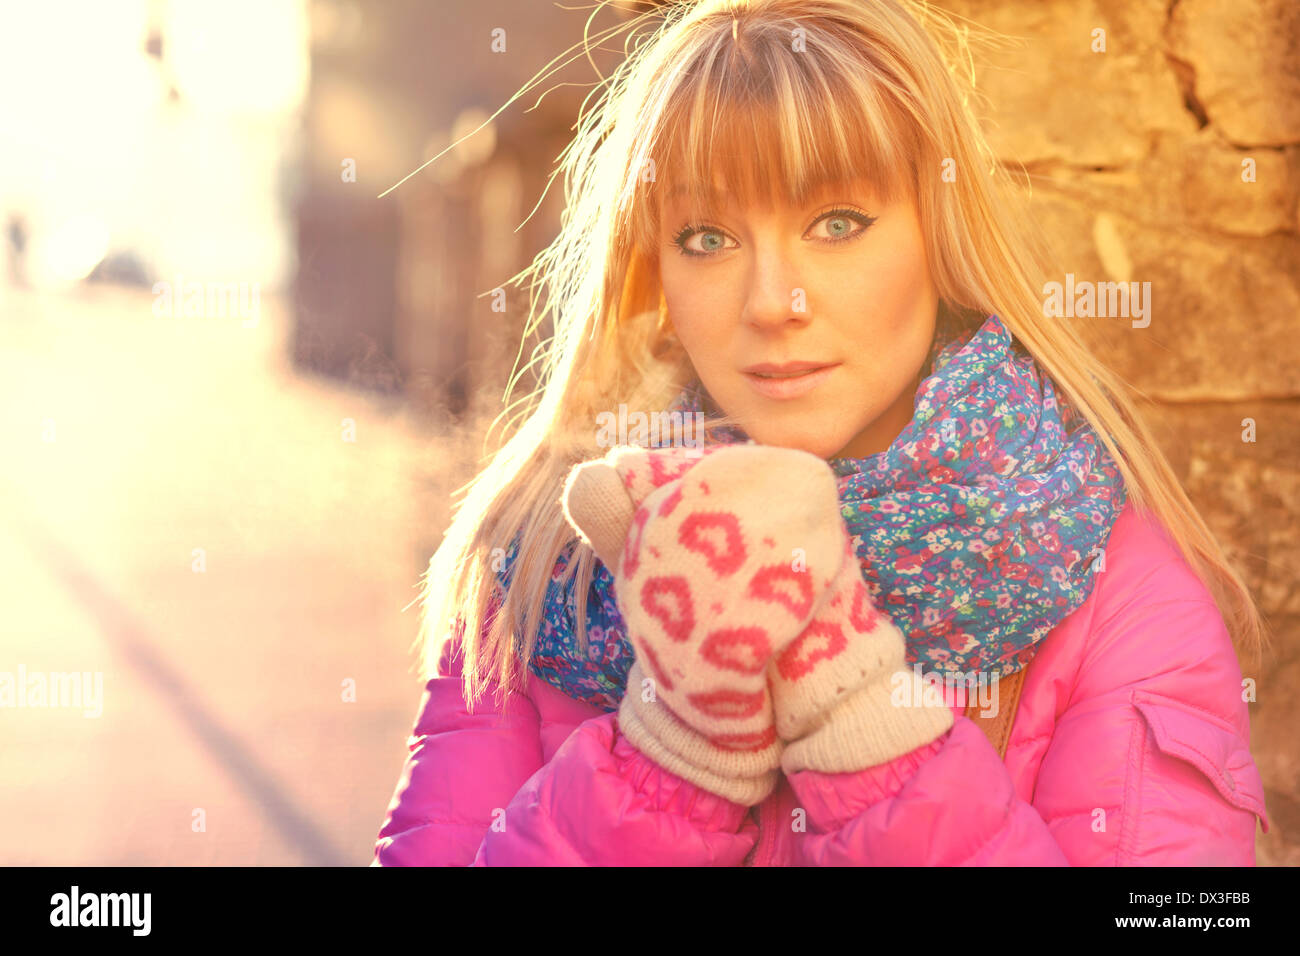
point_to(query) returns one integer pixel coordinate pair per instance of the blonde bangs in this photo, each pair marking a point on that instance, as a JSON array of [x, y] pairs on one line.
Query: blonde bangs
[[767, 124]]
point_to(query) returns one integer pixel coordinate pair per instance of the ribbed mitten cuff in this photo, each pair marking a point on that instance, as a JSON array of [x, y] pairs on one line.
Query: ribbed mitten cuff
[[746, 777], [883, 720]]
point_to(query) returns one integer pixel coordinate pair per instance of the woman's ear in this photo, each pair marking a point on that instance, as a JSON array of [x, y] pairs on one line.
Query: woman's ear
[[598, 507]]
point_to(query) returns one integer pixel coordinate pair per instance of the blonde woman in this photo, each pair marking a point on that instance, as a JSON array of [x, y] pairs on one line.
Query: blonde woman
[[737, 651]]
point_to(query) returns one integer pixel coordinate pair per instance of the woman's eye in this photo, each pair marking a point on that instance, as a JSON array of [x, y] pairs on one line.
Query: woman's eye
[[840, 225], [700, 242]]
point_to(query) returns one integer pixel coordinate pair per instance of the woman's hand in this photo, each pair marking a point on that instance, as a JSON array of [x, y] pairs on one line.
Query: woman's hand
[[749, 616], [718, 560]]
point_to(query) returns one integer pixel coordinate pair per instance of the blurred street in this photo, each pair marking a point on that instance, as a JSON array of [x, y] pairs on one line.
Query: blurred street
[[182, 513]]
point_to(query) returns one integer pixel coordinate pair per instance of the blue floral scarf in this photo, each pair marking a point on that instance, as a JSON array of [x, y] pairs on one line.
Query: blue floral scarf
[[976, 528]]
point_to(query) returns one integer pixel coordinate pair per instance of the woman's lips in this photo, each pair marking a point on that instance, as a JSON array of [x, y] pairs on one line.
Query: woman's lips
[[791, 386]]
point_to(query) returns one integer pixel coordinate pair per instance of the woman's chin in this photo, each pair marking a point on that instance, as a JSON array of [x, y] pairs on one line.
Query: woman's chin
[[800, 439]]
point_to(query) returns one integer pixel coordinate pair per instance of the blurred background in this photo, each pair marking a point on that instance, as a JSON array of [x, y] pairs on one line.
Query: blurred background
[[237, 389]]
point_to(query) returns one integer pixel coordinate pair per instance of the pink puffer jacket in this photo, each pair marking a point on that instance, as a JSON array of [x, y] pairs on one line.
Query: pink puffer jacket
[[1131, 746]]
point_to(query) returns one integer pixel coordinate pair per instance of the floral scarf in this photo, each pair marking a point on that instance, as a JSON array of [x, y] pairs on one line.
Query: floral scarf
[[976, 528]]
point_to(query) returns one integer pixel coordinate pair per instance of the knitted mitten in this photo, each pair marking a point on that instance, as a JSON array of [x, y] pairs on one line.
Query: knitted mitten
[[750, 615], [700, 545], [843, 696]]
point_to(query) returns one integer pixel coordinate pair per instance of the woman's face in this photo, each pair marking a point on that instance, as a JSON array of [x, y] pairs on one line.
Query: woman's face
[[842, 282]]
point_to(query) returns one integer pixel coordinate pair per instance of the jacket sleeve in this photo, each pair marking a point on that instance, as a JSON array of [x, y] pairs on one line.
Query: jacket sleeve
[[601, 802], [461, 771], [1148, 764]]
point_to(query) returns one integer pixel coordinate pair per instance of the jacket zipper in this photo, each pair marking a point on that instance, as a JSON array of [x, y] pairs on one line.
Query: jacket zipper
[[763, 848], [753, 851]]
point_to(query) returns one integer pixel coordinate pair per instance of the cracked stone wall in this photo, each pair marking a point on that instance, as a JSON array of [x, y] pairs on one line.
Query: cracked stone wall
[[1172, 156]]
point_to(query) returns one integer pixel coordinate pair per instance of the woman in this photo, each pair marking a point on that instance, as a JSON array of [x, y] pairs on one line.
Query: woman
[[782, 181]]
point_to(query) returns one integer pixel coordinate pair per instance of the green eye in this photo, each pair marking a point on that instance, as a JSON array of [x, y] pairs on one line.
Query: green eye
[[711, 241], [840, 222]]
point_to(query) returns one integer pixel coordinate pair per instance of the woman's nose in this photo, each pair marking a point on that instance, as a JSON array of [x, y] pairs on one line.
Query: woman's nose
[[775, 295]]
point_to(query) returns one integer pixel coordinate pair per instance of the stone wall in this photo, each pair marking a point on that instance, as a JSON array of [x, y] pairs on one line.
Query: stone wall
[[1171, 155]]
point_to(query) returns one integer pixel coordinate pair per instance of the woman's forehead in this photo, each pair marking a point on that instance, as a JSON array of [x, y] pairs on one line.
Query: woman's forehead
[[718, 194]]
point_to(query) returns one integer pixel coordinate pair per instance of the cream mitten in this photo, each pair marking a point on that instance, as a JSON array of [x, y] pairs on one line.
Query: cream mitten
[[844, 697], [748, 614]]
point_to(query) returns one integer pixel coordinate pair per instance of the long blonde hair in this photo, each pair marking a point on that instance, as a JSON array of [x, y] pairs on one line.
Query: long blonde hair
[[816, 91]]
